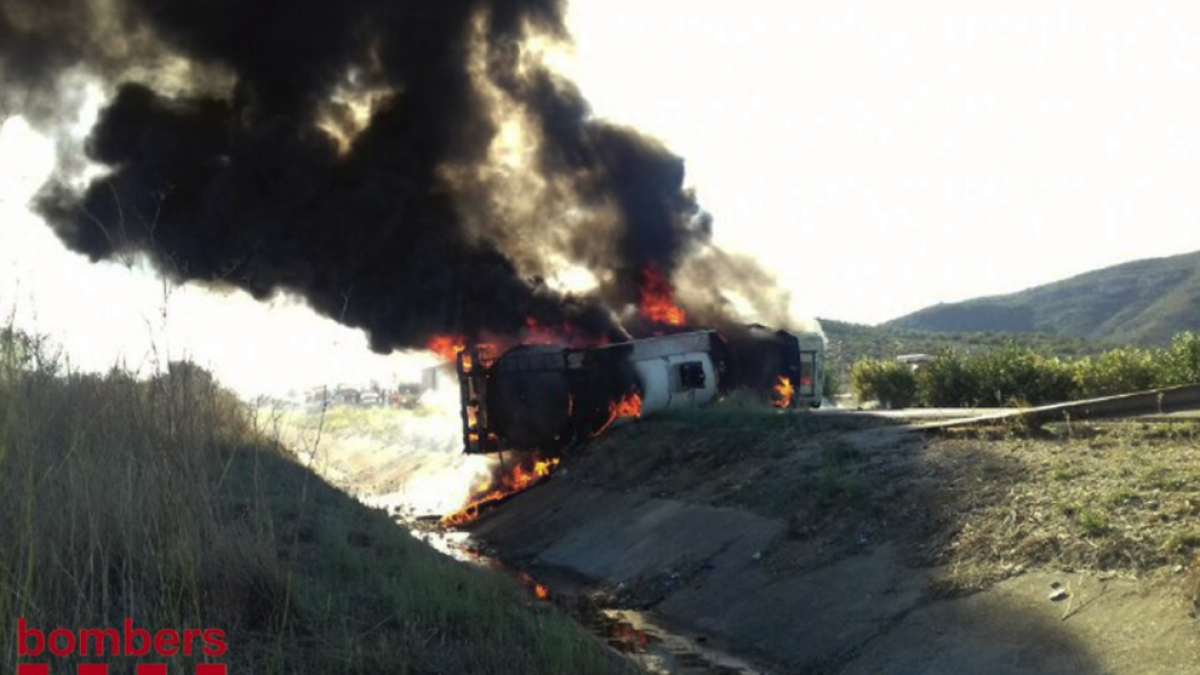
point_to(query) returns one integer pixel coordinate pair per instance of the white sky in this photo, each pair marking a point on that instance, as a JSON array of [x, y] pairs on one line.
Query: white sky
[[884, 156], [881, 156]]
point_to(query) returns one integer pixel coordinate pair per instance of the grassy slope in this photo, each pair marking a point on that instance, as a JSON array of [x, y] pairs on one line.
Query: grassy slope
[[1144, 301], [981, 505], [159, 501]]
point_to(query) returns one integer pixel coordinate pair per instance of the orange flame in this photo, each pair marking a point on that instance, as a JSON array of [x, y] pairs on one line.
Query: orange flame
[[625, 638], [563, 335], [493, 489], [630, 405], [537, 333], [539, 591], [658, 299], [783, 392], [447, 346]]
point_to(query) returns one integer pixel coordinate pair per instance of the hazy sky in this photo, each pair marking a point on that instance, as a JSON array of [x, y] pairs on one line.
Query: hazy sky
[[880, 156]]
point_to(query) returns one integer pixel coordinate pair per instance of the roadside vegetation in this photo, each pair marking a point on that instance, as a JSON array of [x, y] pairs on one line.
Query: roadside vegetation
[[158, 499], [1015, 375]]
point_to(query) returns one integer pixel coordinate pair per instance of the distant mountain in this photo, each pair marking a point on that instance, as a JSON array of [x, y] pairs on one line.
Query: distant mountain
[[1145, 301]]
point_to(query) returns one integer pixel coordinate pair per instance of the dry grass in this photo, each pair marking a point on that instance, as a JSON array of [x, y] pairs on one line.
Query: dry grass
[[159, 501], [1191, 588], [978, 505], [109, 507], [1117, 498]]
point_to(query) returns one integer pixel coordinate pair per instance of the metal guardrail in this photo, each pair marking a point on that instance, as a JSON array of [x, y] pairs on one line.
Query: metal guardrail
[[1156, 401]]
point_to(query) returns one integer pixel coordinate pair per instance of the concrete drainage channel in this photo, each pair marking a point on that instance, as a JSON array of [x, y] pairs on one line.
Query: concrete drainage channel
[[640, 636], [686, 588], [680, 587]]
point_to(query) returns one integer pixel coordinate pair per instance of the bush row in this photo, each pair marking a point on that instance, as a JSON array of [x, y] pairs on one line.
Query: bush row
[[1015, 375]]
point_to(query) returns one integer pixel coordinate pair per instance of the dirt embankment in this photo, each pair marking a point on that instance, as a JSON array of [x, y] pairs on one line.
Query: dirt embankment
[[809, 546]]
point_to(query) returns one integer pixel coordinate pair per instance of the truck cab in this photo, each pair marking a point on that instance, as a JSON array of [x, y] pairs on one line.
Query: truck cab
[[811, 382]]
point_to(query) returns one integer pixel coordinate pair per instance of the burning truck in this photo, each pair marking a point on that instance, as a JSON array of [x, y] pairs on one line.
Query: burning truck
[[546, 398]]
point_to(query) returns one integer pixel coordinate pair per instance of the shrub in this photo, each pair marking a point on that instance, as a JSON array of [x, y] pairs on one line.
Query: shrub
[[24, 352], [1181, 362], [891, 383], [1117, 371], [1015, 374], [832, 385], [948, 381]]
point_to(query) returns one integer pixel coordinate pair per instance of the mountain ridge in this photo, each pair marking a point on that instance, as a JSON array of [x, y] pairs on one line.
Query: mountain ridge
[[1143, 301]]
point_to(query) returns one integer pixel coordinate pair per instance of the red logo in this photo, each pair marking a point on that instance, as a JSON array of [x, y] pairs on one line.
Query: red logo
[[109, 642]]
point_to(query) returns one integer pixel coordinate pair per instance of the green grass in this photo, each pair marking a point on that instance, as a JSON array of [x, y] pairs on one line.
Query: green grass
[[1119, 497], [743, 455], [1093, 521], [159, 500]]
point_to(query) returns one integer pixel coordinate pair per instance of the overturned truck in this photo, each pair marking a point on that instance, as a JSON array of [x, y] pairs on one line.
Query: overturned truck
[[547, 398]]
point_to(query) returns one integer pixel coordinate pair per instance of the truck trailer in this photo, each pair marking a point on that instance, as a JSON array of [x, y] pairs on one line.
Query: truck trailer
[[548, 398]]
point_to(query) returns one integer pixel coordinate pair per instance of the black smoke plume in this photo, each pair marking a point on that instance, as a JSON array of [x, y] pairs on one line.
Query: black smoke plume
[[237, 156]]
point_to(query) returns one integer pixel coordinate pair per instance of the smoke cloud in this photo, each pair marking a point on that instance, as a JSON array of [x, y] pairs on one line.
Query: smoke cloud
[[411, 168]]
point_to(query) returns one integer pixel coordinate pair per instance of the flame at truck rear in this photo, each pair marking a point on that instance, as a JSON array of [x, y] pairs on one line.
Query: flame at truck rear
[[783, 392]]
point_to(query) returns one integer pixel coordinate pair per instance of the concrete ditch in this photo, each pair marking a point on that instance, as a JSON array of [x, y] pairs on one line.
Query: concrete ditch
[[698, 569]]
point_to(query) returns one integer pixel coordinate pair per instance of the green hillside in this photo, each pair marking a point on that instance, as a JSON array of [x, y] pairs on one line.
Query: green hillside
[[1145, 301]]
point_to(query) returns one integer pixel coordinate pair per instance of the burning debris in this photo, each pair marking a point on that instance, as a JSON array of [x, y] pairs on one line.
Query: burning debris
[[504, 482]]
